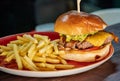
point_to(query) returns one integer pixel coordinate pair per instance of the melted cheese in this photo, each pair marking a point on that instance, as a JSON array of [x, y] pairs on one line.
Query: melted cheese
[[98, 38]]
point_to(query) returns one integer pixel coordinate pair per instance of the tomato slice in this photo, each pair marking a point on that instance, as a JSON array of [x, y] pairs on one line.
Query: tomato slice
[[92, 48]]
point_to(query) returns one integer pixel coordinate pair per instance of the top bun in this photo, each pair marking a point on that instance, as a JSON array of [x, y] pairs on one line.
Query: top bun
[[75, 23]]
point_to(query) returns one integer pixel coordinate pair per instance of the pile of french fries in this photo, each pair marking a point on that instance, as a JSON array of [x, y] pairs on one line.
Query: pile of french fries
[[35, 53]]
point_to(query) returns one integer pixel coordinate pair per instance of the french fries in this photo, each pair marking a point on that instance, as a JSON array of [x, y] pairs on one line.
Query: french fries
[[35, 53], [17, 56]]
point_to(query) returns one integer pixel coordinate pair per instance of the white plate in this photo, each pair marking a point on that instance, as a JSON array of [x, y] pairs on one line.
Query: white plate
[[55, 73], [110, 16]]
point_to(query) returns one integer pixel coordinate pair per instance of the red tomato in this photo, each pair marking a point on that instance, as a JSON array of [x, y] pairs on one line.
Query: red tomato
[[92, 48]]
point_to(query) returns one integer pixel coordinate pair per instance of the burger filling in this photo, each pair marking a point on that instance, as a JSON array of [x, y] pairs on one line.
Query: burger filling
[[81, 42]]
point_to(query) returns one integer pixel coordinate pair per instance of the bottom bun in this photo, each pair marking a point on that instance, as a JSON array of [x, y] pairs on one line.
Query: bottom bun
[[87, 56]]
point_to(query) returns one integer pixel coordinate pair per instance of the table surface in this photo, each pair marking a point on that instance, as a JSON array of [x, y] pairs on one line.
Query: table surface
[[96, 74]]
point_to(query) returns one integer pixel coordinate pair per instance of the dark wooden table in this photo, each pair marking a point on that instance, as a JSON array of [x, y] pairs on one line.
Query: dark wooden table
[[97, 74]]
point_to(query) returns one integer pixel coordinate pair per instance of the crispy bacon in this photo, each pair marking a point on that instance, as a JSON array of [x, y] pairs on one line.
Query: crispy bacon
[[115, 38]]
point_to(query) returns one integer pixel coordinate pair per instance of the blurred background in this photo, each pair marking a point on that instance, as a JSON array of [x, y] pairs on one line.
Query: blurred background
[[18, 16]]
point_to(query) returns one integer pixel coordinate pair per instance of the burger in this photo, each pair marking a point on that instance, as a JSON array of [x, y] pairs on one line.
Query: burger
[[82, 37]]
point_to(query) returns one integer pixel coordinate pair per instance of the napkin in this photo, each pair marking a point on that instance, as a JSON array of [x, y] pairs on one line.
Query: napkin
[[116, 57], [116, 30], [115, 76]]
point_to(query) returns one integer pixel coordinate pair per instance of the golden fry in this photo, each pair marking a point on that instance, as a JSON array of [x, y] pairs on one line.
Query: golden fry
[[43, 68], [30, 62], [1, 51], [53, 61], [43, 50], [8, 59], [25, 49], [17, 57], [49, 51], [51, 66], [63, 61], [38, 54], [21, 47], [27, 65], [45, 65], [29, 37], [61, 66], [32, 51], [41, 37], [52, 56], [39, 59], [49, 48], [41, 44], [10, 53], [22, 39], [17, 42], [10, 46], [5, 48], [42, 65], [4, 53]]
